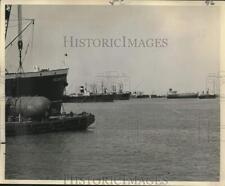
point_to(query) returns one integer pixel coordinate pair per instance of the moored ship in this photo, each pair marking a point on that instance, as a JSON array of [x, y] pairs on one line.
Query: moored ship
[[175, 95], [143, 96], [41, 82], [47, 83], [157, 96], [121, 94], [34, 99], [116, 84], [85, 96], [139, 95], [88, 98], [207, 95]]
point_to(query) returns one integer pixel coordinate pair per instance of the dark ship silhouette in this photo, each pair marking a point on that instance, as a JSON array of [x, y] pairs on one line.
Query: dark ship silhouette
[[172, 94], [207, 95], [120, 94], [85, 96], [34, 99], [46, 83]]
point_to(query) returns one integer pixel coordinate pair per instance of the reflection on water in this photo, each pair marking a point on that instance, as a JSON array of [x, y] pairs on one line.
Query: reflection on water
[[145, 138]]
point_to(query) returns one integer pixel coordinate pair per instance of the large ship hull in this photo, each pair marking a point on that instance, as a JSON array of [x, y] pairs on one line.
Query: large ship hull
[[50, 84], [90, 98], [182, 96], [157, 96], [143, 96], [122, 96], [207, 96]]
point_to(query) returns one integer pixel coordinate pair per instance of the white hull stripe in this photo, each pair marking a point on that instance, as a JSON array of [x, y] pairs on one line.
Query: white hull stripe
[[36, 74]]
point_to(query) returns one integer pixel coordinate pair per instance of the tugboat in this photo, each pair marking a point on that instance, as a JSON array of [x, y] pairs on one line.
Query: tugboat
[[30, 115], [34, 99], [174, 95]]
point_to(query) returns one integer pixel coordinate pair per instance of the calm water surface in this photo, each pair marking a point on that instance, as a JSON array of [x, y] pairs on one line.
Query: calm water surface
[[141, 138]]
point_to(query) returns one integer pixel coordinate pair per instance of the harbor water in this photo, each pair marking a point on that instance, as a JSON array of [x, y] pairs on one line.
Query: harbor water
[[145, 139]]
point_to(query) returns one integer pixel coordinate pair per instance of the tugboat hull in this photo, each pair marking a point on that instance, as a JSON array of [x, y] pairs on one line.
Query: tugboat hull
[[57, 124]]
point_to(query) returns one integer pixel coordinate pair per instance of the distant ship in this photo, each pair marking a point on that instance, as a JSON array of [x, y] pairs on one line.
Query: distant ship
[[120, 95], [143, 96], [90, 98], [174, 95], [85, 96], [115, 83], [207, 95], [139, 95], [157, 96]]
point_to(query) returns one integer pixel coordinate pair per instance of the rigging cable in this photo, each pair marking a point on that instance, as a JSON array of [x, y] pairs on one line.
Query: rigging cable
[[32, 22], [29, 45], [32, 41]]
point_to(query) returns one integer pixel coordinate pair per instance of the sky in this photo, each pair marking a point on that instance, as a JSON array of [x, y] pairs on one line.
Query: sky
[[192, 51]]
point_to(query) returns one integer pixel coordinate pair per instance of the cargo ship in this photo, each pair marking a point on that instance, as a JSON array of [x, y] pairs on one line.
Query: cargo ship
[[115, 83], [85, 96], [139, 95], [73, 98], [48, 83], [121, 94], [157, 96], [42, 82], [34, 99], [143, 96], [207, 95], [174, 95]]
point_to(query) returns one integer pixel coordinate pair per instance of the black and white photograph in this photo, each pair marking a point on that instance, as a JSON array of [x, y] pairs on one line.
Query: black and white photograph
[[113, 93]]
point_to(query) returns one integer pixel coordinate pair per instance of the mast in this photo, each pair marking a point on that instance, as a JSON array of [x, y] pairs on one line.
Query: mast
[[214, 87], [20, 41], [7, 16], [20, 47], [102, 87]]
